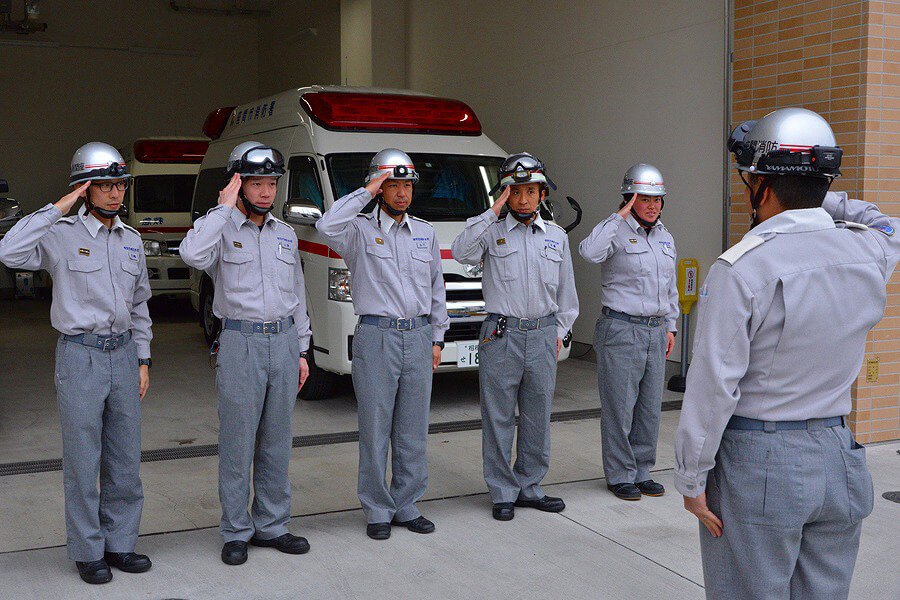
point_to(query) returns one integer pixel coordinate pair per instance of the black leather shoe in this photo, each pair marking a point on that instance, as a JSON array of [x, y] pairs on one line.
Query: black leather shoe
[[287, 543], [234, 553], [130, 562], [418, 525], [650, 488], [504, 511], [95, 571], [546, 504], [378, 531], [625, 491]]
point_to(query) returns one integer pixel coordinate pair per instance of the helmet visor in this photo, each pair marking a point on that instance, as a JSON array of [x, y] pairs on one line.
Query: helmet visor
[[262, 161]]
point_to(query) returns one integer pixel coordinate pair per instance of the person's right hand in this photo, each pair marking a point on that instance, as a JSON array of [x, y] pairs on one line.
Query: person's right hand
[[66, 203], [498, 204], [229, 194], [374, 186], [623, 212]]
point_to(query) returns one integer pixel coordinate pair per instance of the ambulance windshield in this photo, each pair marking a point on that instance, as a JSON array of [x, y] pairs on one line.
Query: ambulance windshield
[[450, 187]]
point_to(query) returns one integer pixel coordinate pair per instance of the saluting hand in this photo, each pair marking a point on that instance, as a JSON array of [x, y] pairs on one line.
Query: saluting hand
[[66, 203], [144, 373], [498, 204], [623, 212], [229, 194], [670, 343], [374, 186], [304, 373], [698, 507]]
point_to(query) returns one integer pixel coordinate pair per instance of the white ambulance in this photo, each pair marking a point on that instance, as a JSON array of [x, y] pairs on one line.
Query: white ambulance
[[328, 135], [158, 205]]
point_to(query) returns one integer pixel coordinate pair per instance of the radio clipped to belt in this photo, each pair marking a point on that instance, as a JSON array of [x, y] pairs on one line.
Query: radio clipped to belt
[[499, 330], [214, 353]]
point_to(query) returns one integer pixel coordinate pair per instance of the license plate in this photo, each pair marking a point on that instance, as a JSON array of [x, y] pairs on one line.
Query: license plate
[[467, 354]]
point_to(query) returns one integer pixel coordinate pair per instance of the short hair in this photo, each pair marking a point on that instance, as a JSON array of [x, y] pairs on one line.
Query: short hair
[[796, 191]]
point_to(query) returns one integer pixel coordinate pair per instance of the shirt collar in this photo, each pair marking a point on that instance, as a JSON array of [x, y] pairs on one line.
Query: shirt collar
[[387, 221], [798, 220], [511, 222], [93, 224], [240, 218]]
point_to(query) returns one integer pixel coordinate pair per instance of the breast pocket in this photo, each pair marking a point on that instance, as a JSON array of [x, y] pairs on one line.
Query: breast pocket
[[286, 263], [638, 258], [84, 278], [551, 261], [378, 262], [502, 260], [235, 271], [128, 275], [421, 263]]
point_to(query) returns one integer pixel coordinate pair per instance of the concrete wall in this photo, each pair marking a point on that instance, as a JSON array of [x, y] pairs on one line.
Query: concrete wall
[[592, 88], [290, 55], [91, 87]]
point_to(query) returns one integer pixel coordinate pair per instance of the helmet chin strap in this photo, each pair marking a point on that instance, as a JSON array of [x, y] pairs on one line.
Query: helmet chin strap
[[389, 209], [522, 217], [103, 212], [755, 199], [250, 207]]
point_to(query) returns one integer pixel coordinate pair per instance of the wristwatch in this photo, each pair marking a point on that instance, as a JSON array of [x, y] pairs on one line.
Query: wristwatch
[[145, 361], [305, 355], [438, 344]]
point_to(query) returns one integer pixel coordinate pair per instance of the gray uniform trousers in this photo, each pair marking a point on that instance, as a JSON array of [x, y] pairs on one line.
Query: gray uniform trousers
[[392, 379], [517, 369], [791, 503], [631, 366], [256, 380], [100, 414]]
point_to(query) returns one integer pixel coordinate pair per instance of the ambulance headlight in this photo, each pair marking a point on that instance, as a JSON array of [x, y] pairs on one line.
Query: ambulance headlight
[[152, 248], [339, 285]]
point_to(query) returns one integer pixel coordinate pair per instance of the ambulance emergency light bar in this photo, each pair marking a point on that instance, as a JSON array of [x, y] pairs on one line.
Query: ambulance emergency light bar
[[170, 151], [215, 122], [390, 113]]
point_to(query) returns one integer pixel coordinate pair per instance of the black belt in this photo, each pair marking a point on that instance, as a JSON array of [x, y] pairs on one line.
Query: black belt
[[266, 327], [649, 321], [394, 323], [107, 344], [525, 324], [747, 424]]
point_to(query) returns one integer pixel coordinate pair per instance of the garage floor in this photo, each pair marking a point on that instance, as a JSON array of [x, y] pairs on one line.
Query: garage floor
[[599, 547]]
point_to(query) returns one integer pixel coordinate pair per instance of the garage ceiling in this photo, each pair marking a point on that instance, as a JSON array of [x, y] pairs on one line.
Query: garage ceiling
[[224, 7]]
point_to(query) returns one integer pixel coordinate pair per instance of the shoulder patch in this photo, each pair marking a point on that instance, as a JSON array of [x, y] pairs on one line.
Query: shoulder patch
[[887, 230], [852, 225], [69, 219], [131, 229], [733, 254], [418, 219], [555, 225]]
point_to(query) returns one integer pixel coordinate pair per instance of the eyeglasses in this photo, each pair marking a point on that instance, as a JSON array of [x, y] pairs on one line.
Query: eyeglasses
[[107, 186]]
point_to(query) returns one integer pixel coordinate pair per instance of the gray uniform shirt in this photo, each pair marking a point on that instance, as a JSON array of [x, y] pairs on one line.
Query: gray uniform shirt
[[638, 276], [100, 283], [782, 327], [527, 270], [396, 267], [257, 273]]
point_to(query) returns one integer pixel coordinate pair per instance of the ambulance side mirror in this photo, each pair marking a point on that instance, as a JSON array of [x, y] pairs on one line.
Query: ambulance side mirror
[[300, 214]]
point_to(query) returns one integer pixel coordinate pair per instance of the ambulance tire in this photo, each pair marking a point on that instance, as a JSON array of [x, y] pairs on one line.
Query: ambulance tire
[[210, 323], [321, 383]]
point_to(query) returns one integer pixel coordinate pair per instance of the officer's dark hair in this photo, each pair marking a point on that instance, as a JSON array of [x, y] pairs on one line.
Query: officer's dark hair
[[795, 191]]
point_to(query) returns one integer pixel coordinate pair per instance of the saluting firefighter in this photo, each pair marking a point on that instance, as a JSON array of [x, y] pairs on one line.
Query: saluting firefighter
[[100, 293], [398, 293], [763, 455], [529, 294], [636, 332], [259, 294]]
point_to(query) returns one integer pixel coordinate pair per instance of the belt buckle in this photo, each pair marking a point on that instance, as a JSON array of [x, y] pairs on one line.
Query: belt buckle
[[404, 324], [526, 324], [269, 326], [654, 321], [106, 342]]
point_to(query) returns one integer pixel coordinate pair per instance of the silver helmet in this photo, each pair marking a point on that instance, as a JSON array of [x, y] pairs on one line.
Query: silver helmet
[[522, 168], [253, 159], [788, 141], [643, 179], [96, 161], [397, 160]]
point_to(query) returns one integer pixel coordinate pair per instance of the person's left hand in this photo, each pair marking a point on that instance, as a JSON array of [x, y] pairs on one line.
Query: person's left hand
[[698, 507], [670, 344], [435, 357], [304, 372], [144, 373]]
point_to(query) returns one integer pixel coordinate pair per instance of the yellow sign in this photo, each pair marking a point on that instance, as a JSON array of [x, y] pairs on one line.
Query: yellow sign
[[872, 370], [688, 284]]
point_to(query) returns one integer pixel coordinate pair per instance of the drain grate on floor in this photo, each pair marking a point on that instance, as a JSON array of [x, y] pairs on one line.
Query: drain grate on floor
[[300, 441]]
